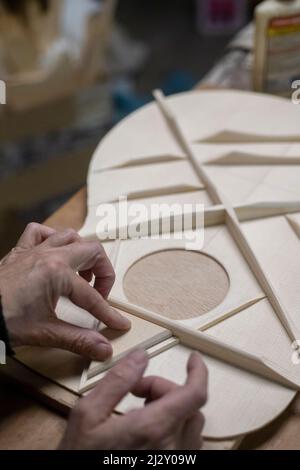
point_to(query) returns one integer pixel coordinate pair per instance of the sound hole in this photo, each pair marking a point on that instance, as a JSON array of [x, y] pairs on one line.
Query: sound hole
[[179, 284]]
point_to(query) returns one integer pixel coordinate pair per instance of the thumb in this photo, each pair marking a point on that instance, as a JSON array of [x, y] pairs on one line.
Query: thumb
[[82, 341], [119, 381]]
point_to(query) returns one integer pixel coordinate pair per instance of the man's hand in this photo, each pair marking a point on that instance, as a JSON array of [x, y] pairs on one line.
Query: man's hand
[[169, 420], [43, 267]]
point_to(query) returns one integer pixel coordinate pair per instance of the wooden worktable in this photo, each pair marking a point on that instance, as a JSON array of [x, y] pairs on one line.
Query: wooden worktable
[[27, 424]]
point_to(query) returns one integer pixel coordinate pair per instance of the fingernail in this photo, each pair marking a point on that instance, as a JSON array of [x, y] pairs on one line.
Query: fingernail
[[139, 356], [125, 322], [107, 349]]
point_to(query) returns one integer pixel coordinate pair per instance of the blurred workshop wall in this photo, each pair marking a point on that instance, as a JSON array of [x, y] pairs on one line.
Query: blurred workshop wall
[[58, 105]]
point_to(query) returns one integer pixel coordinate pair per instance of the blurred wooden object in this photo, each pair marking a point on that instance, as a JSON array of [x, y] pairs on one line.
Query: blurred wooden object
[[23, 42], [24, 39], [41, 101]]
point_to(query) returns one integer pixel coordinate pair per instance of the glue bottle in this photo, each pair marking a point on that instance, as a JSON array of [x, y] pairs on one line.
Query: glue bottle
[[277, 46]]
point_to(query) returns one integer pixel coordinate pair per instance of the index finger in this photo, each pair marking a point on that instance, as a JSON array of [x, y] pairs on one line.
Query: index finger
[[84, 256], [181, 402], [116, 384], [84, 296], [152, 387], [33, 235]]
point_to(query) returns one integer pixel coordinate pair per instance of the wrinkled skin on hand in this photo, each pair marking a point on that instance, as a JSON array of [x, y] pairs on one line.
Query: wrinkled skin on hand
[[169, 420], [42, 268]]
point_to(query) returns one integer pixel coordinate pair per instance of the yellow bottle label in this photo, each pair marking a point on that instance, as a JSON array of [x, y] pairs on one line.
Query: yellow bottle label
[[283, 54]]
